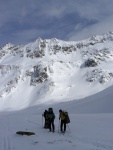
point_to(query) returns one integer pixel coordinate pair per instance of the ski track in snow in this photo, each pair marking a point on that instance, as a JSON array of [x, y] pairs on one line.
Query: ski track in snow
[[5, 134], [43, 139]]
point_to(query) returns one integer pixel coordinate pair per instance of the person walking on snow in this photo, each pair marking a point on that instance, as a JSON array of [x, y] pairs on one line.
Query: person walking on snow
[[51, 118], [63, 122]]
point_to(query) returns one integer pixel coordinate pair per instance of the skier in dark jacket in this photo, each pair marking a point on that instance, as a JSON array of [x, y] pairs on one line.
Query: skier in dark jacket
[[45, 115], [51, 117]]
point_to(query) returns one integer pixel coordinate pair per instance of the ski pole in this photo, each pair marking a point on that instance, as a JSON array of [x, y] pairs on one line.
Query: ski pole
[[58, 126], [42, 120], [69, 128]]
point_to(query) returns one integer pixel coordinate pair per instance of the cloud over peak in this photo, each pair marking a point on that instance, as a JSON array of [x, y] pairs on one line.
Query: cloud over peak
[[24, 21]]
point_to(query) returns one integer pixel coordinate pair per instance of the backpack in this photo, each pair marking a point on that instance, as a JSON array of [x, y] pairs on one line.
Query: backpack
[[50, 109], [51, 114], [67, 117]]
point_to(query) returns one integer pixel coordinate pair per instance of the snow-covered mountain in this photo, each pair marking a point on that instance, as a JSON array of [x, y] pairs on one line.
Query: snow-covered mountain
[[51, 71], [73, 76]]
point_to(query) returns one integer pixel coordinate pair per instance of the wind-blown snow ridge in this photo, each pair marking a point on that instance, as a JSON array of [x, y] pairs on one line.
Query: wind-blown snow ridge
[[54, 70]]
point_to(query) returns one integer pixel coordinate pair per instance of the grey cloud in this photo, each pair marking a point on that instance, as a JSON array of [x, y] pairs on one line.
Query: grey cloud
[[22, 21], [95, 29]]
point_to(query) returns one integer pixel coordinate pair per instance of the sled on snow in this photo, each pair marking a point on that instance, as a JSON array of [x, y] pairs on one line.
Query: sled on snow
[[25, 133]]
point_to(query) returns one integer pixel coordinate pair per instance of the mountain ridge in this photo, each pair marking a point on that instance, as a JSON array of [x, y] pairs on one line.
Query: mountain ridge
[[53, 70]]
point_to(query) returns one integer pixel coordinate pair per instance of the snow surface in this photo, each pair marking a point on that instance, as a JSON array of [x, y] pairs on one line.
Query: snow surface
[[88, 132], [90, 127], [52, 73]]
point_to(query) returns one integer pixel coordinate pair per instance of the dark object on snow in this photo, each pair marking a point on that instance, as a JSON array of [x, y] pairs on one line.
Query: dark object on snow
[[90, 63], [25, 133]]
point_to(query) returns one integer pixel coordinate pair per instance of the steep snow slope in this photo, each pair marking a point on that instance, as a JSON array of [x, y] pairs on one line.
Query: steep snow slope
[[101, 102], [49, 71]]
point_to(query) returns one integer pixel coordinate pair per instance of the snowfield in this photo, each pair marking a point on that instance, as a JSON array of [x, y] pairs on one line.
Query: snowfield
[[85, 132], [91, 126], [73, 76]]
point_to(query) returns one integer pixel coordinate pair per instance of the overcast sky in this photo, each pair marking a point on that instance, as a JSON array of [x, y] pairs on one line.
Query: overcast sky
[[23, 21]]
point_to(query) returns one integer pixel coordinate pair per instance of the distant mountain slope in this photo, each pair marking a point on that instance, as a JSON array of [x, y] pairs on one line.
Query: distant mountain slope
[[52, 70], [101, 102]]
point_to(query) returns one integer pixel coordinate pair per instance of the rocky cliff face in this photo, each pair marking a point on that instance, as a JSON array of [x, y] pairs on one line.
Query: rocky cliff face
[[53, 67]]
